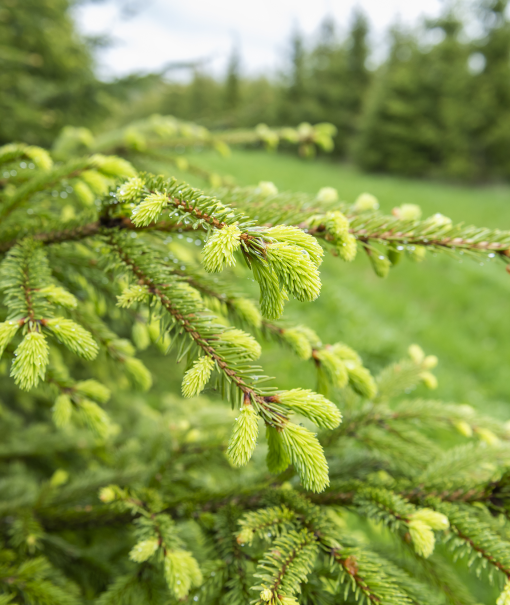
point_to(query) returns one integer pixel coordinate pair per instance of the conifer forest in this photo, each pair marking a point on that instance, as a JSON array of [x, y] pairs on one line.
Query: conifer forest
[[253, 331]]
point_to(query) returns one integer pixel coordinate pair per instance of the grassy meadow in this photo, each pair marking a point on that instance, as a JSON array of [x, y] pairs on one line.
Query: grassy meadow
[[454, 309]]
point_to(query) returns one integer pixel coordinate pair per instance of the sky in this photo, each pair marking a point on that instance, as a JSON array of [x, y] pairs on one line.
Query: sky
[[161, 31]]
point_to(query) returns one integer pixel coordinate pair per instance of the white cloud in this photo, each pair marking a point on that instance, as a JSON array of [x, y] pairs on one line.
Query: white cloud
[[165, 31]]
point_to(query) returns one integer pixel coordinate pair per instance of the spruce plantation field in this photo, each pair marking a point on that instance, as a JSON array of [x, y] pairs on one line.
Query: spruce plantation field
[[454, 308]]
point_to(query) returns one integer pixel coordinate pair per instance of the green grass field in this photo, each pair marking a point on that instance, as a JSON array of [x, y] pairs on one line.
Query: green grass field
[[456, 310]]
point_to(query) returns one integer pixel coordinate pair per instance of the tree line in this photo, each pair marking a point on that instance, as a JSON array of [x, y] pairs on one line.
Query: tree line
[[438, 105]]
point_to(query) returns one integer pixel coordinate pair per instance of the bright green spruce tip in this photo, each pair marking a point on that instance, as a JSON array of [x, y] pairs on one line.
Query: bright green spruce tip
[[296, 271], [361, 380], [272, 296], [131, 190], [347, 247], [198, 376], [73, 336], [244, 436], [313, 406], [8, 330], [144, 550], [344, 352], [84, 193], [380, 263], [132, 295], [138, 372], [307, 455], [31, 360], [436, 520], [94, 390], [247, 311], [182, 572], [299, 343], [334, 368], [220, 247], [297, 237], [245, 341], [62, 410], [97, 182], [423, 537], [149, 210], [59, 296], [504, 597], [277, 459], [95, 418]]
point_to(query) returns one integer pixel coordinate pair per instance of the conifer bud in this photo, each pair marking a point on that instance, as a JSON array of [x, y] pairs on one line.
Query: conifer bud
[[337, 224], [138, 372], [149, 210], [112, 165], [297, 237], [313, 406], [416, 354], [429, 380], [487, 436], [244, 436], [97, 182], [31, 360], [267, 188], [181, 572], [197, 377], [140, 335], [463, 428], [62, 410], [298, 342], [266, 595], [59, 296], [73, 336], [132, 295], [416, 253], [422, 537], [131, 190], [93, 389], [410, 212], [327, 195], [8, 330], [107, 494], [430, 362], [333, 367], [297, 272], [272, 297], [307, 455], [347, 247], [247, 311], [365, 202], [440, 220], [242, 340], [144, 550], [220, 247], [39, 156], [344, 352], [59, 477], [245, 536], [435, 520], [504, 597], [380, 263], [84, 193], [361, 380], [95, 417], [277, 458]]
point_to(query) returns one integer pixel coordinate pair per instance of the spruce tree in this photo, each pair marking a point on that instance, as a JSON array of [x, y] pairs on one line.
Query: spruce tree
[[113, 497]]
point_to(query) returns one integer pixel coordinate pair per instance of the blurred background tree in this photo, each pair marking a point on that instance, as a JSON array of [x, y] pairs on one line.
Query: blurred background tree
[[47, 75], [438, 105]]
